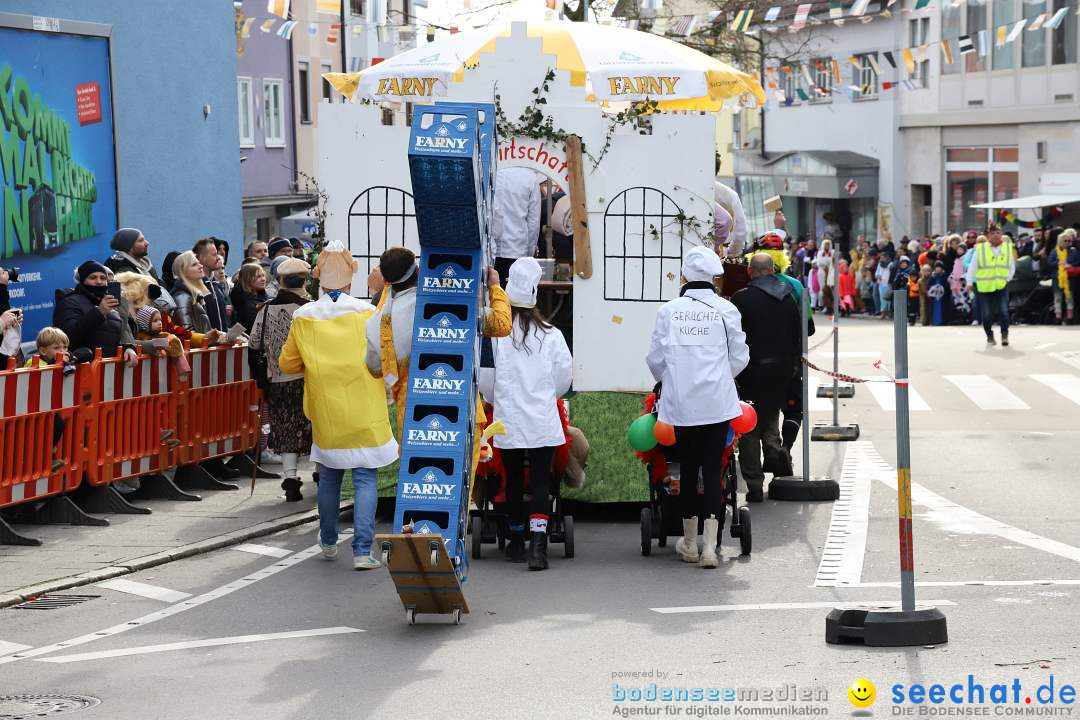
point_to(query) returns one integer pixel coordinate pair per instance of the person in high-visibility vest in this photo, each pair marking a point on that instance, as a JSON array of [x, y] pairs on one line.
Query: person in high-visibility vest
[[990, 272]]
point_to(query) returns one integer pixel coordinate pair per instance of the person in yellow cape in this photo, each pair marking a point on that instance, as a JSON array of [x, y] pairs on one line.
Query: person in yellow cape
[[346, 404], [390, 333]]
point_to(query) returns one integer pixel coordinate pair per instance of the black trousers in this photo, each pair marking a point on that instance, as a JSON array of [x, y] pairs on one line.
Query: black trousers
[[539, 482], [701, 449]]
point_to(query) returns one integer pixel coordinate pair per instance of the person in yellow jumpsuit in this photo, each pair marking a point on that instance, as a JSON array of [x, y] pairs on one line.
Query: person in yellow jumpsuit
[[390, 331]]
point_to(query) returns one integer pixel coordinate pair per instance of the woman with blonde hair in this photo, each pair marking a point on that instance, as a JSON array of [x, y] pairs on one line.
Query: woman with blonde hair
[[190, 293]]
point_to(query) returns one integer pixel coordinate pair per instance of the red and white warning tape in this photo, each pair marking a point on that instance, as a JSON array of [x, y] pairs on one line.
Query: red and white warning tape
[[879, 365]]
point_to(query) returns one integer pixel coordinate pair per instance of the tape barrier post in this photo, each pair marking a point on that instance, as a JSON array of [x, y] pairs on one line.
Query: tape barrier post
[[804, 488], [836, 431], [907, 626]]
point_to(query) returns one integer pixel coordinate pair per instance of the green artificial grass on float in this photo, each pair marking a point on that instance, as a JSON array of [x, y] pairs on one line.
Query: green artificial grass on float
[[613, 474]]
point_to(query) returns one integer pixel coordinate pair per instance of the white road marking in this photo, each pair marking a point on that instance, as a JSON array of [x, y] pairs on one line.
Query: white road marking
[[845, 545], [209, 642], [6, 648], [817, 404], [987, 393], [958, 519], [153, 592], [875, 604], [179, 607], [885, 394], [1064, 384], [1044, 346], [968, 583], [1069, 357], [267, 550]]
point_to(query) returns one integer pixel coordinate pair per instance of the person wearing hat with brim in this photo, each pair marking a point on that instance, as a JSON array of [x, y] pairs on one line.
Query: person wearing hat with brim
[[278, 247], [698, 348], [290, 429], [532, 370], [991, 269], [346, 404]]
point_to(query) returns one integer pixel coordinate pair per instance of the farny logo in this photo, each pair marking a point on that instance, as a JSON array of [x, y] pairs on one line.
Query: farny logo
[[442, 140], [449, 280], [438, 381], [429, 487], [444, 331], [434, 433]]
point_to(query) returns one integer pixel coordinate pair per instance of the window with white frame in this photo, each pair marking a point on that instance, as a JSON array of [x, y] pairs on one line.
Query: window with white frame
[[978, 22], [920, 37], [864, 77], [789, 83], [1063, 37], [273, 113], [952, 27], [244, 107], [303, 83], [823, 78]]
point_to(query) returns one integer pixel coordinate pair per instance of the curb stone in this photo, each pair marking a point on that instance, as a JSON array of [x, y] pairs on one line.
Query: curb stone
[[269, 527]]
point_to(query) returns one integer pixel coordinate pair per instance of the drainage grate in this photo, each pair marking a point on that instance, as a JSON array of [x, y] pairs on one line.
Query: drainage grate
[[53, 602], [25, 707]]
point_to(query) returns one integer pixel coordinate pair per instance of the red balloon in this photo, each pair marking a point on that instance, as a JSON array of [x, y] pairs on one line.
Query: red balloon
[[745, 422], [665, 433]]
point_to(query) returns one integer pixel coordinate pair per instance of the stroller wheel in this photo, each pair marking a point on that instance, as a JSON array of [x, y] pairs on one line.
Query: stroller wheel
[[745, 536], [646, 531], [658, 517], [477, 531], [568, 536]]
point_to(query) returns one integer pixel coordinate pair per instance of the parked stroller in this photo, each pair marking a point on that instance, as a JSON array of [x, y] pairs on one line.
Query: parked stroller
[[1030, 301], [662, 517]]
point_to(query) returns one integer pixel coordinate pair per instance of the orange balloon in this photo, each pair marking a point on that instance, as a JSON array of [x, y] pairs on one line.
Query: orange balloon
[[665, 434]]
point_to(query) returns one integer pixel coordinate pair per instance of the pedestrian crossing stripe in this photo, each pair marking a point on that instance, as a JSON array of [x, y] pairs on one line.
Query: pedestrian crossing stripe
[[984, 391]]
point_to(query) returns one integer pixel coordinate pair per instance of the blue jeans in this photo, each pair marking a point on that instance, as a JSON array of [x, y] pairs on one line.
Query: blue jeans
[[365, 501], [991, 303]]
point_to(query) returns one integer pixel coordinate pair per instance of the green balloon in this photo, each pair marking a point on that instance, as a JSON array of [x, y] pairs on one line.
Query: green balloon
[[640, 433]]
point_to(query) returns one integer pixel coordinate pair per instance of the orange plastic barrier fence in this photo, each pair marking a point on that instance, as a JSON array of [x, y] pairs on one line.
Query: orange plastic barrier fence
[[218, 405], [43, 431], [135, 428]]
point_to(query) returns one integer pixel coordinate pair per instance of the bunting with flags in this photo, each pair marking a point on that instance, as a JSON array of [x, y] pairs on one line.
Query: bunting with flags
[[772, 14], [964, 44], [741, 23], [286, 29], [267, 25], [1056, 20], [1014, 33], [277, 7], [946, 51], [801, 14]]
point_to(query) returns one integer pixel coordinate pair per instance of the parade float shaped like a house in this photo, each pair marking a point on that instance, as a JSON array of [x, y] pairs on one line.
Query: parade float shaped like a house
[[648, 189]]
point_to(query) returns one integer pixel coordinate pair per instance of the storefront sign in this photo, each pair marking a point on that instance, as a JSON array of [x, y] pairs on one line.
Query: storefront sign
[[57, 161]]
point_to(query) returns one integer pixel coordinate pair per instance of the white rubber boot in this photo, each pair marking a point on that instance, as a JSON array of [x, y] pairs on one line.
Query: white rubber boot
[[686, 546], [708, 542]]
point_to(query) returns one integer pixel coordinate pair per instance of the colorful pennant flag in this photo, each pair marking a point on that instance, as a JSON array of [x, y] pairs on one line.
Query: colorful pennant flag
[[983, 42], [278, 7], [1000, 33], [920, 4], [964, 43], [741, 23], [946, 51], [801, 14], [836, 72], [859, 8], [873, 63], [888, 85], [246, 30], [313, 29], [868, 89], [772, 14], [909, 60], [1037, 22], [286, 29], [853, 60], [890, 59], [267, 25], [836, 9], [806, 76], [330, 7], [1056, 20], [1015, 32]]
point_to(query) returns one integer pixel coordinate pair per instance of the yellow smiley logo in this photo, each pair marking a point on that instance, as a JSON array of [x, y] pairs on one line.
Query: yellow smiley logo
[[862, 693]]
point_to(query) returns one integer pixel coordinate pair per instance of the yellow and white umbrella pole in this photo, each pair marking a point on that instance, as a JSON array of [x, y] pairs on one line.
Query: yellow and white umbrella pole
[[909, 626]]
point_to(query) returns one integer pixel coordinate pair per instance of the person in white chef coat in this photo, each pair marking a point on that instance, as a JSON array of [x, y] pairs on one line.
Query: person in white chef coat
[[698, 348], [533, 369]]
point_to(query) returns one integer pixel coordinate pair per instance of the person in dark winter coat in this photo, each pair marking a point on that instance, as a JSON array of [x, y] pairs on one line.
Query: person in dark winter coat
[[218, 309], [133, 255], [771, 321], [248, 294], [92, 319]]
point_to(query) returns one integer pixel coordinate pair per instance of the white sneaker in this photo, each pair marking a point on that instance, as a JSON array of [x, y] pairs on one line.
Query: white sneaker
[[686, 546], [709, 534], [365, 562], [269, 457], [329, 552]]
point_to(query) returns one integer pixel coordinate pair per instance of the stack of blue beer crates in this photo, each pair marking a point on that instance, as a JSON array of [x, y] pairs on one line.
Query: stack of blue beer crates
[[452, 157]]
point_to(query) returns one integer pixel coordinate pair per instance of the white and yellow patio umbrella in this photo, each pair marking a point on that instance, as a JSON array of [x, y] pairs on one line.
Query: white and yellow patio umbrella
[[621, 66]]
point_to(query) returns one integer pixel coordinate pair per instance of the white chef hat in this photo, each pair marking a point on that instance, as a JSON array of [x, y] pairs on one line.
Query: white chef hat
[[701, 264], [522, 281]]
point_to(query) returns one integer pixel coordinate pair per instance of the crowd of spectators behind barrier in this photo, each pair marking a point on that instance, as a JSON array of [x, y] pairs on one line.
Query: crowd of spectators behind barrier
[[1043, 290]]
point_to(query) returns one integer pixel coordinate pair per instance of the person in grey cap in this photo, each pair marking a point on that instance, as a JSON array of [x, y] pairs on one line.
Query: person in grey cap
[[133, 255], [698, 348]]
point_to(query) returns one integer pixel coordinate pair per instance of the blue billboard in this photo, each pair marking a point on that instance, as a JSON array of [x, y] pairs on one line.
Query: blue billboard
[[57, 163]]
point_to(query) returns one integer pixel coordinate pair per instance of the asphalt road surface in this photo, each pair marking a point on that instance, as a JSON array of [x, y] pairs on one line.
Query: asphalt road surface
[[996, 452]]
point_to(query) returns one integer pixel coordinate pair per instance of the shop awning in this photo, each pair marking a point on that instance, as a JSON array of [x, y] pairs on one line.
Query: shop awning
[[1030, 202]]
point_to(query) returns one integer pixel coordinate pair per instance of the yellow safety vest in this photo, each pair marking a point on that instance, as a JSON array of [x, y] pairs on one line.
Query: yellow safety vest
[[992, 272]]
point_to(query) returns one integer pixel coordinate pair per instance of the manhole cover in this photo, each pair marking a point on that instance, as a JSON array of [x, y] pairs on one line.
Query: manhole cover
[[25, 707], [52, 602]]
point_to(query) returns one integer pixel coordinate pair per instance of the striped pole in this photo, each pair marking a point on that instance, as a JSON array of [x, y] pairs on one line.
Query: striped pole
[[903, 451]]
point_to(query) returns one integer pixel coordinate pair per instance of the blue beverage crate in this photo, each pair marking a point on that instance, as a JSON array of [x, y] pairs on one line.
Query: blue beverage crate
[[444, 157], [440, 382], [437, 428], [449, 226], [444, 329], [450, 274]]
